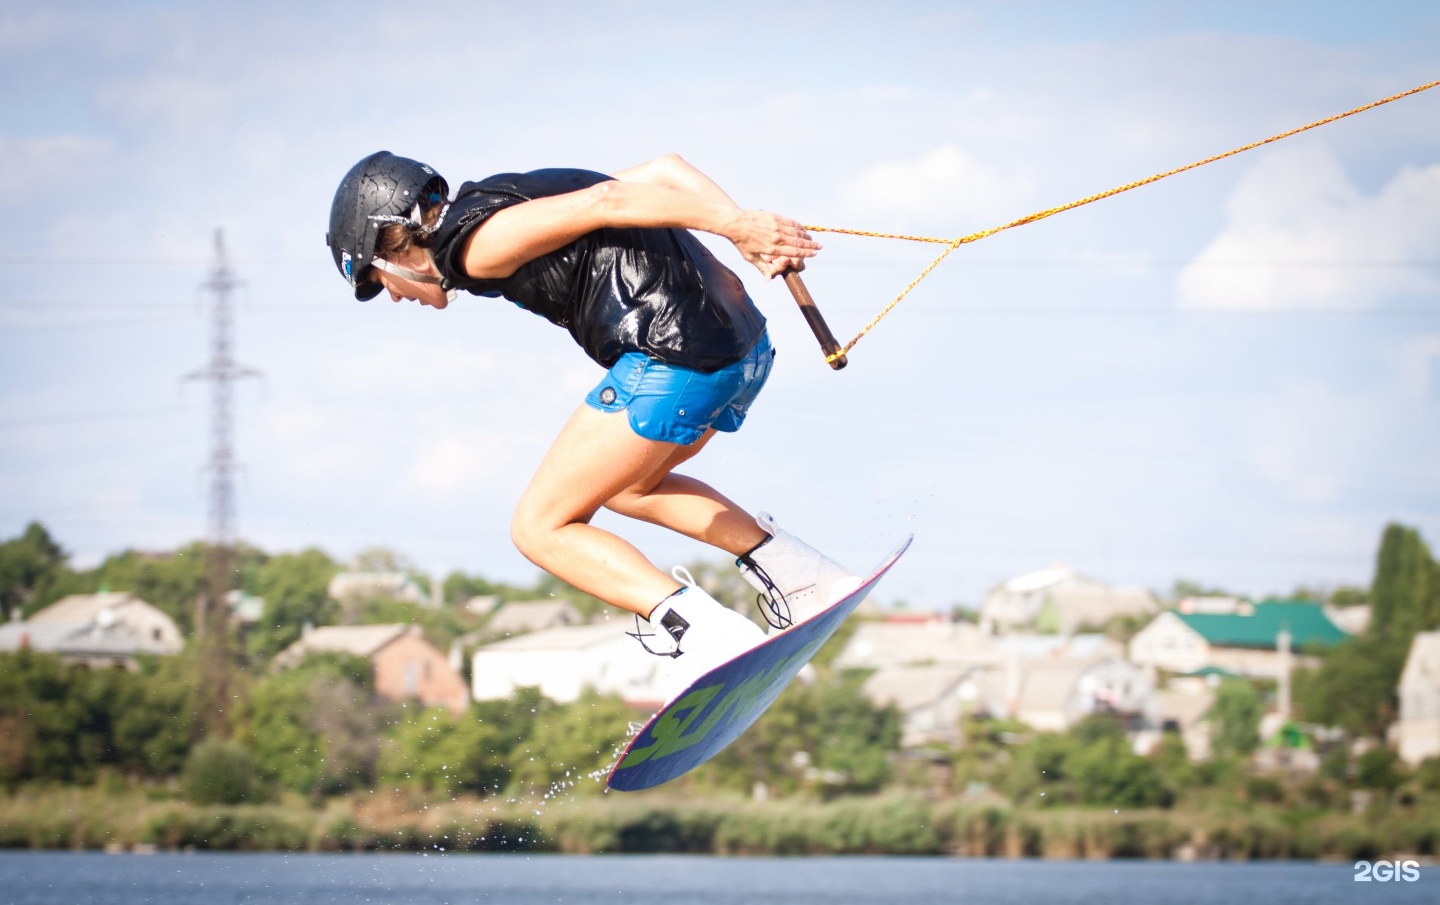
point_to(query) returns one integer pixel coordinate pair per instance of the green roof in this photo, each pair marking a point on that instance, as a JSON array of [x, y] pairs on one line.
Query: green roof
[[1206, 672], [1307, 623]]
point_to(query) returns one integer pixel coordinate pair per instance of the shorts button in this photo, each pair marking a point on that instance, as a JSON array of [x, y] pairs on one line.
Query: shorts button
[[682, 413]]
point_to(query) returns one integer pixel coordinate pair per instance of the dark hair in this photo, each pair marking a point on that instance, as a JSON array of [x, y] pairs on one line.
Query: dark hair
[[397, 238]]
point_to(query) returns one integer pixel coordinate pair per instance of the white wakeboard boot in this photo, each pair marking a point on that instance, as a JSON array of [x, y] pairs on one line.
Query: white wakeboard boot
[[795, 580], [695, 633]]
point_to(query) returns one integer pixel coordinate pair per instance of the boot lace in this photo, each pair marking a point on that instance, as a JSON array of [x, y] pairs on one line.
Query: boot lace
[[682, 575], [772, 603], [640, 635]]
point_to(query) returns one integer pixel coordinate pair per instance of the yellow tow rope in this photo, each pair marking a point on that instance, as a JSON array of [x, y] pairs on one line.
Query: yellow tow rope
[[952, 244]]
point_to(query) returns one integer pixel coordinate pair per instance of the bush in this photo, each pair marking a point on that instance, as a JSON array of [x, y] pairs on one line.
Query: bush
[[977, 832], [1428, 774], [1265, 789], [219, 772], [1352, 843], [1378, 768], [238, 829]]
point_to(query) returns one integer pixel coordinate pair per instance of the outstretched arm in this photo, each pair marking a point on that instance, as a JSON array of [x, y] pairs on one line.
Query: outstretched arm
[[666, 192], [675, 172]]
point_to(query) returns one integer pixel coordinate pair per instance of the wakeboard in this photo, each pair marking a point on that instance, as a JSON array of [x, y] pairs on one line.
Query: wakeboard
[[720, 705]]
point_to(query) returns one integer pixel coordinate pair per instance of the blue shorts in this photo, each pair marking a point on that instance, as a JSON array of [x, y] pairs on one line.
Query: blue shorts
[[673, 404]]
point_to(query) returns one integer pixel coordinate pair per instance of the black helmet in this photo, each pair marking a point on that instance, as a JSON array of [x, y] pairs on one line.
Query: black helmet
[[378, 190]]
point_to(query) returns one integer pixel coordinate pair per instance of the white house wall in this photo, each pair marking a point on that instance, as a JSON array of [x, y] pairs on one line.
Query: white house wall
[[1168, 643], [615, 666]]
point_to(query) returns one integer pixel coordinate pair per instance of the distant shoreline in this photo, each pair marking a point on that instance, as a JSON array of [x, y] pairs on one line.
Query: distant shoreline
[[147, 821]]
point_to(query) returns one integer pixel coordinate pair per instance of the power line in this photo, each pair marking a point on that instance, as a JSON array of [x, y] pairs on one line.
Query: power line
[[67, 509], [85, 417]]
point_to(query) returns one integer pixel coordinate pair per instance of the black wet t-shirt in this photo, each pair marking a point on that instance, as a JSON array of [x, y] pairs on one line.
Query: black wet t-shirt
[[656, 291]]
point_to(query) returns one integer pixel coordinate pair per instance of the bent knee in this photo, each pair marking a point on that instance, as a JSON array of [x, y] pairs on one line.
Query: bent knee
[[533, 533], [528, 534]]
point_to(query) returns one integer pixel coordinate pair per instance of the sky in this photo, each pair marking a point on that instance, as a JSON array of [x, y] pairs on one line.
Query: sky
[[1231, 376]]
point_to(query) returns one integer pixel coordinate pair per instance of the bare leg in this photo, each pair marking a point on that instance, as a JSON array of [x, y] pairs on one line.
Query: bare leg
[[689, 507], [598, 459]]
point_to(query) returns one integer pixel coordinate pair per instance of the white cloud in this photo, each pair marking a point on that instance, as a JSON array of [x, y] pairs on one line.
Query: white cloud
[[42, 166], [1321, 444], [945, 183], [1297, 230], [461, 463]]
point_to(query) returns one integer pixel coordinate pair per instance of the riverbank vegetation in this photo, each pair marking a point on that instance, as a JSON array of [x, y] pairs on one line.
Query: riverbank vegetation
[[311, 759], [112, 816]]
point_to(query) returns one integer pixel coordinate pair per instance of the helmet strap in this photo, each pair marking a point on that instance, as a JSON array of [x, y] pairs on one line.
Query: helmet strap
[[404, 272]]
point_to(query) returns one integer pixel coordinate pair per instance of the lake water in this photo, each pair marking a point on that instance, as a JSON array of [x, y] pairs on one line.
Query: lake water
[[68, 878]]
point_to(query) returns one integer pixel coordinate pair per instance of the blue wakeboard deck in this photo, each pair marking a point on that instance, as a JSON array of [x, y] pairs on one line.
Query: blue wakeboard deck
[[723, 703]]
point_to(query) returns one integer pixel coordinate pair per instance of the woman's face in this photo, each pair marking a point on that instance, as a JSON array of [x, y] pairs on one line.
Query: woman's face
[[415, 259]]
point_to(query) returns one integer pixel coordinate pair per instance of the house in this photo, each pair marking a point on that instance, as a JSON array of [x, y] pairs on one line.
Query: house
[[407, 667], [1417, 733], [1183, 708], [1210, 604], [97, 630], [876, 645], [482, 604], [937, 672], [1054, 694], [1352, 620], [119, 608], [245, 608], [1246, 642], [931, 700], [564, 661], [353, 588], [1087, 646], [519, 617], [1059, 600]]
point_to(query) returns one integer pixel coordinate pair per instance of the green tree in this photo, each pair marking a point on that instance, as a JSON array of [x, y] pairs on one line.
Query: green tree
[[1185, 587], [51, 731], [432, 749], [440, 627], [382, 559], [1092, 764], [1355, 685], [295, 589], [1404, 597], [1235, 718], [1107, 773], [154, 716], [30, 565], [1036, 772], [1348, 595], [62, 722], [1378, 768], [314, 728], [822, 736], [567, 743], [171, 582]]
